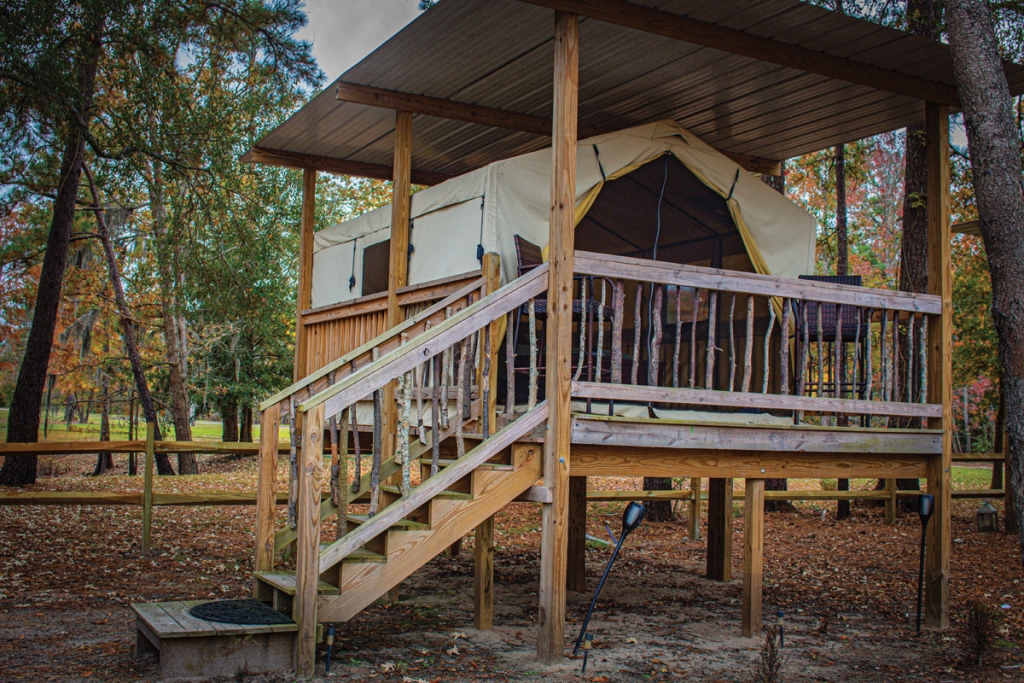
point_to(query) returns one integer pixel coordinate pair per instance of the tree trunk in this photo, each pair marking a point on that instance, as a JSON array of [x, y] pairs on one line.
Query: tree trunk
[[996, 169], [245, 428], [229, 421], [163, 464], [174, 343], [132, 470], [23, 418], [777, 505], [658, 510], [104, 461]]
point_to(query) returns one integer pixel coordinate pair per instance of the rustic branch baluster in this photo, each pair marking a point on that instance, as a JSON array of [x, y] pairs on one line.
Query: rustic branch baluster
[[821, 356], [404, 408], [748, 345], [787, 307], [293, 468], [485, 374], [910, 358], [654, 353], [583, 331], [510, 370], [805, 352], [461, 352], [341, 490], [732, 343], [709, 369], [618, 315], [446, 372], [883, 350], [531, 402], [767, 346], [856, 353], [435, 414], [922, 366], [868, 360], [895, 396], [693, 338], [600, 333], [352, 418], [679, 334], [837, 356], [377, 450], [637, 333]]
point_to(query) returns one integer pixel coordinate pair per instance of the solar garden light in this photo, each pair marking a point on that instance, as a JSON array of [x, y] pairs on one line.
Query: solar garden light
[[925, 508], [588, 642], [988, 517], [631, 519], [330, 646], [780, 621]]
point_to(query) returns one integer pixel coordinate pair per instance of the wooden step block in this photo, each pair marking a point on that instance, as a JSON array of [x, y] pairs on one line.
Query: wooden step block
[[444, 495], [364, 555], [191, 647], [407, 524], [285, 582]]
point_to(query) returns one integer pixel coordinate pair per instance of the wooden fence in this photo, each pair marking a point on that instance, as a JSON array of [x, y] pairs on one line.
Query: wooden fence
[[148, 498]]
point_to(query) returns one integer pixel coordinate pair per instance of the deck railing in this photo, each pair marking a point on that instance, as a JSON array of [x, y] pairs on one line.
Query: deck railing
[[670, 336]]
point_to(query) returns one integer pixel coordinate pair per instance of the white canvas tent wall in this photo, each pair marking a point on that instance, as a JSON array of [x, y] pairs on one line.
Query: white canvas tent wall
[[483, 210]]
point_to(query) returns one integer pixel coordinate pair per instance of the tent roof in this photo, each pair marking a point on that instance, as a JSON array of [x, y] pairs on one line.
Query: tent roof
[[498, 54]]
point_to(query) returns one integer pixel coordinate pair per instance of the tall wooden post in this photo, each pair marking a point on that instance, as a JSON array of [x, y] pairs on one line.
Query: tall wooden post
[[753, 556], [555, 521], [576, 570], [266, 497], [483, 575], [307, 555], [398, 257], [720, 529], [304, 300], [940, 364]]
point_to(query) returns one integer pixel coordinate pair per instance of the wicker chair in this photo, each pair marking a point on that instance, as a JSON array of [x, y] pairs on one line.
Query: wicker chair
[[849, 332]]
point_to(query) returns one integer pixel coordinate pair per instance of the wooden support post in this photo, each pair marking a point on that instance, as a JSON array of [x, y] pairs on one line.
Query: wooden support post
[[753, 556], [491, 268], [307, 556], [695, 509], [266, 496], [483, 575], [720, 529], [398, 262], [304, 299], [576, 569], [147, 483], [940, 364], [455, 548], [555, 522], [890, 502]]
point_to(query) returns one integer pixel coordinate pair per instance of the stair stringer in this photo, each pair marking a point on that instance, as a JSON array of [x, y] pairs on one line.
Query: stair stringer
[[450, 520]]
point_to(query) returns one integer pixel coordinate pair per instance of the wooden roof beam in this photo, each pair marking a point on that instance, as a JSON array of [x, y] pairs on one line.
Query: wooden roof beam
[[737, 42], [362, 169], [497, 118]]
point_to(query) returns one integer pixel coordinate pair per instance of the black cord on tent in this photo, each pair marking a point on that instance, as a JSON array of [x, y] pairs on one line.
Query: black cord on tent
[[654, 257], [352, 277], [734, 181], [597, 155]]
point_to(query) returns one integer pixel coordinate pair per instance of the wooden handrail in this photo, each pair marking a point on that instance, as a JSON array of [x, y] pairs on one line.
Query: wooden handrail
[[352, 541], [384, 342], [736, 399], [604, 265], [402, 359]]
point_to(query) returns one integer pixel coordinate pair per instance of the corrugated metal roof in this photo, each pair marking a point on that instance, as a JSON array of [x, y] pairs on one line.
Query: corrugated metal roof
[[498, 53]]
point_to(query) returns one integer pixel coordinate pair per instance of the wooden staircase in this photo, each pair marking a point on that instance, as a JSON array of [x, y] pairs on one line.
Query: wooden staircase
[[369, 572]]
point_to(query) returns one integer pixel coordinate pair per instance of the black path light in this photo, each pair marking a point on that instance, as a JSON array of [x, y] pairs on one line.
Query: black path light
[[925, 508], [631, 519]]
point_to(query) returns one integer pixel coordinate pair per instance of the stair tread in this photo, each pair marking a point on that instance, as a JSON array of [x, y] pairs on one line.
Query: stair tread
[[486, 466], [364, 555], [407, 524], [448, 495], [285, 582]]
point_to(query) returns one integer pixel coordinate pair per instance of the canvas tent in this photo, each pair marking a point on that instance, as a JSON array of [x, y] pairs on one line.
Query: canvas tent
[[654, 191]]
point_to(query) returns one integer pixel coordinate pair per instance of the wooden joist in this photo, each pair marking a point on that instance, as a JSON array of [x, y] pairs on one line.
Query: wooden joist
[[696, 32], [362, 169], [497, 118]]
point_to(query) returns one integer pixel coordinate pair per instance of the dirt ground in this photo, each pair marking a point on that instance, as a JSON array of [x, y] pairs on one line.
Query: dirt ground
[[68, 575]]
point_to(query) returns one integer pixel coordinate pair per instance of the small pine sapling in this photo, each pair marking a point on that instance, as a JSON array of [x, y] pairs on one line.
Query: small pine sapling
[[980, 631], [769, 664]]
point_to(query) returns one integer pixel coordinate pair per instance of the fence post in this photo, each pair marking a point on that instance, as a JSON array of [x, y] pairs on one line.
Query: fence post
[[890, 502], [147, 496]]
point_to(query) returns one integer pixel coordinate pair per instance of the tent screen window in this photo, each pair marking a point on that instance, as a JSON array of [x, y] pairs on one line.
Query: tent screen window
[[376, 262]]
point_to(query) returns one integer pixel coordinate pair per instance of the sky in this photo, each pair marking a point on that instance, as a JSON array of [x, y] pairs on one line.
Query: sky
[[345, 31]]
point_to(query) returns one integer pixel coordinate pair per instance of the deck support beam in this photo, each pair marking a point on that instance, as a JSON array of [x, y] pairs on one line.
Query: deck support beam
[[940, 364], [304, 300], [483, 575], [555, 522], [576, 573], [753, 556], [719, 530], [307, 554]]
